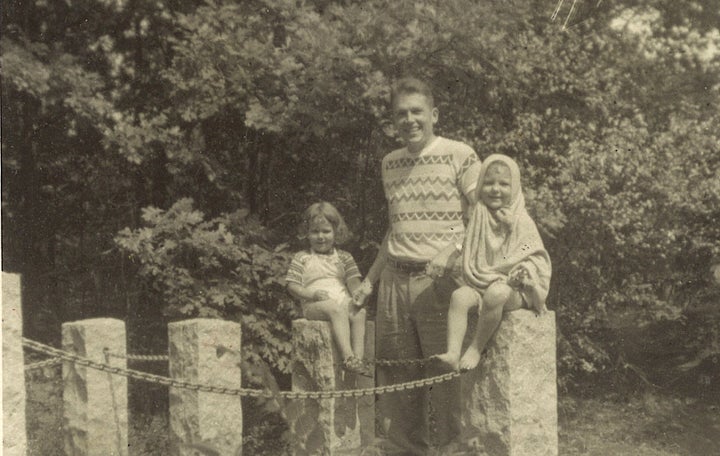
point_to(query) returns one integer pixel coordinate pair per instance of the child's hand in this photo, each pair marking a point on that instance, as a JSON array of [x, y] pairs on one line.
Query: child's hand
[[361, 293], [359, 297], [321, 295], [504, 216], [518, 278]]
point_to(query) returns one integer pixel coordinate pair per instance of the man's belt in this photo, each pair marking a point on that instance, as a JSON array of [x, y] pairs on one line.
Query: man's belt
[[408, 267]]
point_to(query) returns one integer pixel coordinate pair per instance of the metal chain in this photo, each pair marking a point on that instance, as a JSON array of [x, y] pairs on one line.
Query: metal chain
[[399, 362], [139, 357], [152, 378], [384, 362], [43, 364]]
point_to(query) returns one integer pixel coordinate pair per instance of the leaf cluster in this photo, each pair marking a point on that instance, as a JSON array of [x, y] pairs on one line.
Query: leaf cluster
[[217, 268]]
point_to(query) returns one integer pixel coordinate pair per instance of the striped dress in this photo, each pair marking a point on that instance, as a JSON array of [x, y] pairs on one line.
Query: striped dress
[[316, 271], [427, 195]]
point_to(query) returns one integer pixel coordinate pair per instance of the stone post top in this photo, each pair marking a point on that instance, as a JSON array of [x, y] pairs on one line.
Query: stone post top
[[203, 321], [96, 322], [10, 276], [305, 321], [528, 315]]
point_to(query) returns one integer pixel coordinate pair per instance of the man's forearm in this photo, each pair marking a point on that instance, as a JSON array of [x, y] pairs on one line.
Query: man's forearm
[[379, 264]]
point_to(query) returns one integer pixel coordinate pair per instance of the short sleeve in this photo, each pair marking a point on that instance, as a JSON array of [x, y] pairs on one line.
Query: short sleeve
[[295, 271], [351, 269]]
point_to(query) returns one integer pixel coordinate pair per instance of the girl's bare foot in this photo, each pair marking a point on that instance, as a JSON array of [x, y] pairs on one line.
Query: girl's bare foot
[[449, 359], [470, 359]]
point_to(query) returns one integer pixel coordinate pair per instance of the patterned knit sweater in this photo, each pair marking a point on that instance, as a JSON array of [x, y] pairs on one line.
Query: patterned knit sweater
[[427, 195]]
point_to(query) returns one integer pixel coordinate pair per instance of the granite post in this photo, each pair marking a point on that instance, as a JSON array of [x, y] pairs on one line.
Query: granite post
[[95, 416], [512, 394], [328, 426], [13, 368], [205, 351], [366, 404]]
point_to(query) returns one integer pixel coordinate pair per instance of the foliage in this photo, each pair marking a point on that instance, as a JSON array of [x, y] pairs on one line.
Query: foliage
[[219, 268], [255, 109]]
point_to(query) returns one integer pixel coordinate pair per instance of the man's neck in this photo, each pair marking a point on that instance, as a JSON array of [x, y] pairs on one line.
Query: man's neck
[[416, 149]]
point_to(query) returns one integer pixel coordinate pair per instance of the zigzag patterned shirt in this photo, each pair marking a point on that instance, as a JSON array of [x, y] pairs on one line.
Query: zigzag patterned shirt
[[427, 195]]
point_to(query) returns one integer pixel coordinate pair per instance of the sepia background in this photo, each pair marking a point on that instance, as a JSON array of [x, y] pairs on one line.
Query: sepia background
[[156, 156]]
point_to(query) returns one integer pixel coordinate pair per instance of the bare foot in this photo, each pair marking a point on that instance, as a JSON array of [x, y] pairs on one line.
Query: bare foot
[[470, 359], [449, 359]]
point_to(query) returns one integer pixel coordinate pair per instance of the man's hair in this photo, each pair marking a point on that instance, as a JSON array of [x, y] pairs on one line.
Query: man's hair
[[407, 86], [324, 211]]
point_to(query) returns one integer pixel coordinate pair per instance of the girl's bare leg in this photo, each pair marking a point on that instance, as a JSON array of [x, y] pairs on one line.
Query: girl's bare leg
[[461, 301], [357, 330], [497, 298], [337, 315]]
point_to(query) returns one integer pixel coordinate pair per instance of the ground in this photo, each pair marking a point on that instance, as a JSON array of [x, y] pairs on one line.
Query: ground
[[650, 422]]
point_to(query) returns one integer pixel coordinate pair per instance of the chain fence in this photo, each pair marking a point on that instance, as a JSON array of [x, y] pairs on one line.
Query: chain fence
[[377, 362], [61, 355], [130, 357], [43, 364]]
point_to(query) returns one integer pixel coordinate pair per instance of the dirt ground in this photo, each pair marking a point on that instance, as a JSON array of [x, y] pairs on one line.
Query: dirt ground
[[648, 423]]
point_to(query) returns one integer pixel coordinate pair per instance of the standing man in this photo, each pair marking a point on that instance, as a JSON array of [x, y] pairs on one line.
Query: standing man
[[429, 185]]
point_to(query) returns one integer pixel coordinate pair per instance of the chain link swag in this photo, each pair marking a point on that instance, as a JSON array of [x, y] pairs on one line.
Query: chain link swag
[[158, 379]]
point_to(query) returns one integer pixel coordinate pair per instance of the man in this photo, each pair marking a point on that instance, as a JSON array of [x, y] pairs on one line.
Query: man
[[429, 184]]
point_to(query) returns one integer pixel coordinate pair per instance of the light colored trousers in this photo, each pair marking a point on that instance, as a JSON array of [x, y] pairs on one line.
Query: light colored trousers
[[411, 322]]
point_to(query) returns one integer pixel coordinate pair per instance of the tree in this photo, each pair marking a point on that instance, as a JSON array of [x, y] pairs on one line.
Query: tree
[[262, 107]]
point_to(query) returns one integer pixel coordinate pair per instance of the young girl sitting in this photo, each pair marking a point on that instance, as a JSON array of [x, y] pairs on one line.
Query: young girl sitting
[[324, 277], [505, 265]]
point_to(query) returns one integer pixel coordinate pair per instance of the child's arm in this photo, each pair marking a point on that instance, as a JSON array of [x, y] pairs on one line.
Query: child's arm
[[523, 278], [294, 280], [300, 292], [353, 284]]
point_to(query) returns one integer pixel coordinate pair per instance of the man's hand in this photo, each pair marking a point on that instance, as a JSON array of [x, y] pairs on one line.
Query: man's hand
[[361, 293], [443, 262]]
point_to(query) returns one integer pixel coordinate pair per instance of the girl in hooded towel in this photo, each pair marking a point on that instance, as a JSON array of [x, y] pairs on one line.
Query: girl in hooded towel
[[505, 265]]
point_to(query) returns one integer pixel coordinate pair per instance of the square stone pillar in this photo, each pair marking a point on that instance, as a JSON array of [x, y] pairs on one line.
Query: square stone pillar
[[366, 404], [205, 351], [328, 426], [95, 417], [512, 394], [13, 368]]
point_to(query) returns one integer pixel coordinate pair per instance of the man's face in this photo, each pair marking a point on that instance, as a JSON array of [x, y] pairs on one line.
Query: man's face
[[414, 119]]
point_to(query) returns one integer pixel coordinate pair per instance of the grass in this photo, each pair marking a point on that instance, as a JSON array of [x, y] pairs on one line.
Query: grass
[[646, 424], [643, 424]]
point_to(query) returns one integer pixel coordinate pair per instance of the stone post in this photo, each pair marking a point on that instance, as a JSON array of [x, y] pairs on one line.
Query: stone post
[[366, 404], [328, 426], [512, 394], [13, 368], [95, 417], [205, 351]]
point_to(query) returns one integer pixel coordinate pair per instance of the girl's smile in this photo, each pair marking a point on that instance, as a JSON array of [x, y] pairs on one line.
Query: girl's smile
[[321, 236], [496, 187]]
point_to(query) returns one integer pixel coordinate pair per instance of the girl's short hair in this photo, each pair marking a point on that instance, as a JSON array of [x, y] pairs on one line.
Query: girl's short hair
[[327, 212]]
